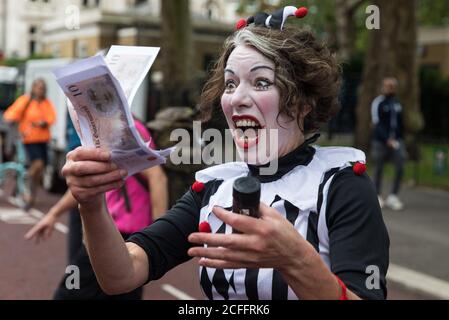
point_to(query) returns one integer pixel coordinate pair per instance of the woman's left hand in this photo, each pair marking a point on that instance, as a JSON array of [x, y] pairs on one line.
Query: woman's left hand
[[268, 242]]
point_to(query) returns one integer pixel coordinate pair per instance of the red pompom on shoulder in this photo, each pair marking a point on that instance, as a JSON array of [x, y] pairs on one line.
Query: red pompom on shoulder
[[359, 168], [204, 227], [198, 186], [301, 12], [240, 24]]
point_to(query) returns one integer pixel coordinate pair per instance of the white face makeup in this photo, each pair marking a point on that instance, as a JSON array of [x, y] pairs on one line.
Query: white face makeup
[[250, 103]]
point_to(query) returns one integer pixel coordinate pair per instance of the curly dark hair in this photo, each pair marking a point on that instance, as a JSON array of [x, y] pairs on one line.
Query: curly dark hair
[[307, 73]]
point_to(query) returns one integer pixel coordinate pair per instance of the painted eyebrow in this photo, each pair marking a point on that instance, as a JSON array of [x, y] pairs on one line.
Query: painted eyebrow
[[261, 67], [252, 70]]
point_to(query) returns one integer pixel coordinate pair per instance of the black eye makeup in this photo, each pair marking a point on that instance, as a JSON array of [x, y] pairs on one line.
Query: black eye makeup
[[230, 86], [259, 83], [263, 84]]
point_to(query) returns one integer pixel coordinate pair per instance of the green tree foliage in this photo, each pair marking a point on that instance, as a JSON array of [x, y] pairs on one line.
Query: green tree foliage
[[433, 12]]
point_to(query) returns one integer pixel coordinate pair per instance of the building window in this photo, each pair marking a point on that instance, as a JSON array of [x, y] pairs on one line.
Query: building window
[[32, 47], [211, 9], [422, 51], [56, 51], [91, 3], [81, 49], [32, 43]]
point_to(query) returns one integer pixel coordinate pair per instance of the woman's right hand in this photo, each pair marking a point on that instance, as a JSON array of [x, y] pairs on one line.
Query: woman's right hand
[[90, 173]]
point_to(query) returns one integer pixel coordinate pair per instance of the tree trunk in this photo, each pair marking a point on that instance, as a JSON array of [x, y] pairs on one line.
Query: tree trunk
[[346, 27], [407, 72], [391, 52], [177, 52]]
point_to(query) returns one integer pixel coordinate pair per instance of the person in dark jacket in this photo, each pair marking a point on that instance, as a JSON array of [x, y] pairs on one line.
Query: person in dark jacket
[[388, 140]]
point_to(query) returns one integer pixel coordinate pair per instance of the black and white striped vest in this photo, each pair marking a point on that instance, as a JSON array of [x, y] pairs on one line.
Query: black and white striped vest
[[300, 196]]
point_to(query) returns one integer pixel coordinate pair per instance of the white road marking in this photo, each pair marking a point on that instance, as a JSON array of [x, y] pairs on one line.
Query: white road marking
[[418, 281], [19, 216], [58, 226], [16, 216], [180, 295]]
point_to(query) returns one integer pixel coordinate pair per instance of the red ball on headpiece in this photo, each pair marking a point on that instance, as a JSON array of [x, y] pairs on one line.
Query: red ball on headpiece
[[359, 168], [240, 24], [301, 12]]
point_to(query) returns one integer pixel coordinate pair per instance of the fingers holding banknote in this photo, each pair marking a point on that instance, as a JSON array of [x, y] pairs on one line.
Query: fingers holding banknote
[[90, 173]]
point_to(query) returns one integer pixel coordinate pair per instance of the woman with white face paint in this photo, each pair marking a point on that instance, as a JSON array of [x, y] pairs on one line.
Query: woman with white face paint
[[320, 227]]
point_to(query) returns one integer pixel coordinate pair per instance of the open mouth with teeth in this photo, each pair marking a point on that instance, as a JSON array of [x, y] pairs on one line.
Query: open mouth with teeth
[[246, 133]]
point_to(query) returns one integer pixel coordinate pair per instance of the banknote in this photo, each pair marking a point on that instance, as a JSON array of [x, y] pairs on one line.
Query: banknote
[[103, 114], [129, 65]]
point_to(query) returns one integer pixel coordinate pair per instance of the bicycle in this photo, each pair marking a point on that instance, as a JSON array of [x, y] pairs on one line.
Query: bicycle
[[19, 184]]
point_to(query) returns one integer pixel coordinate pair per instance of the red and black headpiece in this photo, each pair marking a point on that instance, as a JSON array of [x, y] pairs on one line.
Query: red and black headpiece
[[275, 20]]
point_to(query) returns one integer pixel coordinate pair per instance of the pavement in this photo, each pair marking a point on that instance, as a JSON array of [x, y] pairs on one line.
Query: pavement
[[419, 266], [419, 238], [30, 271]]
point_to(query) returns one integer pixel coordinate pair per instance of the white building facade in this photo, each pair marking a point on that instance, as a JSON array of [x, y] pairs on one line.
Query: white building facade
[[29, 27]]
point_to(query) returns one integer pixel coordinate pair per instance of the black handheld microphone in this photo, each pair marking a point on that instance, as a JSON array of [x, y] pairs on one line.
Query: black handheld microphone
[[246, 196]]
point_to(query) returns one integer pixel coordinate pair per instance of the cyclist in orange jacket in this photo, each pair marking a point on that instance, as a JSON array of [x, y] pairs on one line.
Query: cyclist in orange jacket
[[34, 114]]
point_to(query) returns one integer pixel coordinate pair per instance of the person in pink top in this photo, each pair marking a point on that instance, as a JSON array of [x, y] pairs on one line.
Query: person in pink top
[[132, 208], [130, 204]]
